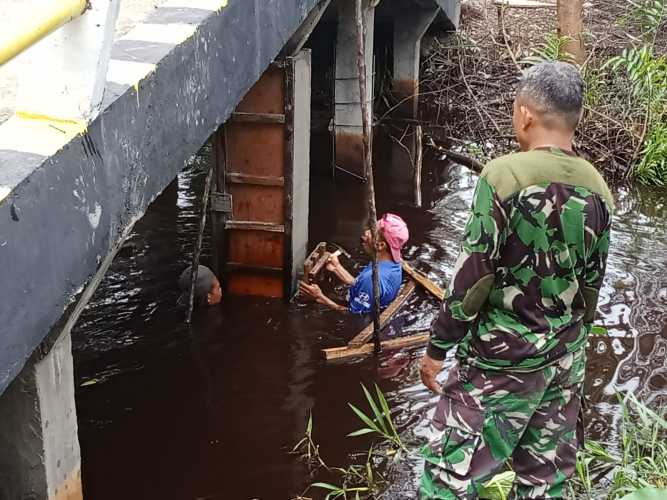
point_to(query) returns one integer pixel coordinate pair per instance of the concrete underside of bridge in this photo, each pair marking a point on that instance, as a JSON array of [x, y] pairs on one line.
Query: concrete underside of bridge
[[69, 196]]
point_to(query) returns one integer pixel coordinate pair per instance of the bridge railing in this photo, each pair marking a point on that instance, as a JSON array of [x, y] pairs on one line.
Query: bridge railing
[[64, 48], [26, 33]]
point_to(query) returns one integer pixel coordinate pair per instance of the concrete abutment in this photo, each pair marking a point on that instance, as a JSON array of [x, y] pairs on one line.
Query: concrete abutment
[[40, 457]]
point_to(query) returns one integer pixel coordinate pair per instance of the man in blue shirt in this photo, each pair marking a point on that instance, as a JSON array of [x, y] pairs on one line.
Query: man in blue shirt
[[393, 234]]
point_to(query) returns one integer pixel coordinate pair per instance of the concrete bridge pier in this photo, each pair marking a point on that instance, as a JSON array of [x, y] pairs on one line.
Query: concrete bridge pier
[[410, 25], [40, 456], [347, 114]]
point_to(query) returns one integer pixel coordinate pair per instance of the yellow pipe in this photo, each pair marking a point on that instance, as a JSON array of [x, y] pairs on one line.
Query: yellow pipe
[[26, 34]]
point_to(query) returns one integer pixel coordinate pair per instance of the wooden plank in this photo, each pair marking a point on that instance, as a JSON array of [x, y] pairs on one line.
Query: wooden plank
[[239, 117], [257, 204], [257, 248], [255, 180], [431, 287], [403, 295], [246, 225], [218, 219], [255, 284], [524, 4], [242, 266], [256, 149], [347, 351], [266, 95]]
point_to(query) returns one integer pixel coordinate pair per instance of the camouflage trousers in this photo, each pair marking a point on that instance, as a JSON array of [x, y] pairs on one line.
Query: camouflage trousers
[[487, 419]]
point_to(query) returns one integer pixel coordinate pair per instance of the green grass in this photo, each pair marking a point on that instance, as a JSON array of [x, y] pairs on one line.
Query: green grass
[[639, 463]]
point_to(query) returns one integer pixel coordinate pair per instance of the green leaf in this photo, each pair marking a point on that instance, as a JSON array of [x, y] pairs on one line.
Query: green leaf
[[498, 487], [599, 330], [376, 411], [365, 419], [325, 486], [647, 494], [361, 432]]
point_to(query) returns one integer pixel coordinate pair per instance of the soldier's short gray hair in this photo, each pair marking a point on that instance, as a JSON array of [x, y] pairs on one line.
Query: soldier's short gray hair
[[554, 88]]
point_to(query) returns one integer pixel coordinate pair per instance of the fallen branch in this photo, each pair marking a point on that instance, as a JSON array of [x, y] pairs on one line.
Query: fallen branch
[[457, 157]]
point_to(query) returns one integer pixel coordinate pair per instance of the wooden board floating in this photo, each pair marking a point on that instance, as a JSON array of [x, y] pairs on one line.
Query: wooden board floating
[[403, 295], [420, 278], [349, 351]]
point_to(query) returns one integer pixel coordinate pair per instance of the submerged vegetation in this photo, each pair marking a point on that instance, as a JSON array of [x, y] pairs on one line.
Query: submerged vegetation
[[469, 77]]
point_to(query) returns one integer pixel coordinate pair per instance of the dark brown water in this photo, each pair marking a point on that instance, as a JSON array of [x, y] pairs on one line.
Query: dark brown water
[[210, 412]]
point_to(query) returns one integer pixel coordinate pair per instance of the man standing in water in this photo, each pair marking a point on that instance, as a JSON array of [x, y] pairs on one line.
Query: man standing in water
[[520, 306], [207, 287], [393, 234]]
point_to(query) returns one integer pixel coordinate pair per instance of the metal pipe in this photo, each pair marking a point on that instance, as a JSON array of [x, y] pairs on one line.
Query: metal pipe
[[26, 34]]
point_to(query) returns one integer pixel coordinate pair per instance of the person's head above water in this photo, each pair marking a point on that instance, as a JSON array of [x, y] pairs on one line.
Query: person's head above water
[[548, 105], [393, 235], [207, 286]]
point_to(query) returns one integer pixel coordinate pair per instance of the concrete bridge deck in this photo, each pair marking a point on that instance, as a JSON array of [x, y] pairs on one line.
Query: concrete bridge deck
[[69, 194]]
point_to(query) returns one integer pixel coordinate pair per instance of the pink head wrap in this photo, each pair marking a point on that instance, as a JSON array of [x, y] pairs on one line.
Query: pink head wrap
[[395, 232]]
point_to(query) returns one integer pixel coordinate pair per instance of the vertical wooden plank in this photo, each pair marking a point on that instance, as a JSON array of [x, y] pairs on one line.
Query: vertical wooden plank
[[218, 219]]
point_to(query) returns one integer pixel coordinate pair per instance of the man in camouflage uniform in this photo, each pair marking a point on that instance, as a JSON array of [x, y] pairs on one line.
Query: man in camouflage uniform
[[520, 306]]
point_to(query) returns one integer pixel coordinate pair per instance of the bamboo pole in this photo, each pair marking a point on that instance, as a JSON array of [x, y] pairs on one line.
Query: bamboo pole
[[366, 111], [197, 250]]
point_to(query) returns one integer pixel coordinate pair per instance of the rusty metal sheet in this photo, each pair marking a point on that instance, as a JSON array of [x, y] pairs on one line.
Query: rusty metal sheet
[[258, 203]]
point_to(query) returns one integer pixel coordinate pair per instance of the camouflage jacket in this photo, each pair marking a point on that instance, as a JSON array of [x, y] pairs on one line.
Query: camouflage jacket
[[525, 286]]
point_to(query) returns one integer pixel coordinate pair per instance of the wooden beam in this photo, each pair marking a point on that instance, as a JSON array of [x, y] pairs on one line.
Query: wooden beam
[[524, 4], [246, 225], [414, 340], [401, 298], [269, 118], [420, 278], [255, 180], [239, 266]]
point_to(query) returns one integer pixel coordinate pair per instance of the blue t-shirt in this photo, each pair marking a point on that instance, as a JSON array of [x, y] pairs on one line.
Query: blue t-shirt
[[360, 300]]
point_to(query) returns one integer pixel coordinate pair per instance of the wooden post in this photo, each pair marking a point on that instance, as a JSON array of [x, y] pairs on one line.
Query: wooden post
[[418, 165], [366, 117], [218, 218], [570, 24]]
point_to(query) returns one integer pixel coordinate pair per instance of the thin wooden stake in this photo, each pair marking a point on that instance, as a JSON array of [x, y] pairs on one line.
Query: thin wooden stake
[[418, 165], [368, 164], [200, 236]]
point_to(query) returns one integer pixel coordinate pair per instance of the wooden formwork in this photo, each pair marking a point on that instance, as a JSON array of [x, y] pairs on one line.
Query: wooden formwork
[[255, 155]]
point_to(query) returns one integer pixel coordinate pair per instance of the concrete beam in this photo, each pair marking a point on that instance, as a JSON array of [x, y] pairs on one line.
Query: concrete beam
[[347, 116], [300, 175], [68, 196], [39, 447], [409, 28], [63, 76], [300, 37]]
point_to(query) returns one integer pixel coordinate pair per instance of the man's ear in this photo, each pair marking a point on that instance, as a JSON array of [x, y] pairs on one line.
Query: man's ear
[[527, 118], [209, 298]]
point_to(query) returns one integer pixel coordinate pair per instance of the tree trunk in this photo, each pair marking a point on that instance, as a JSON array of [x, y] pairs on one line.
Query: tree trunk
[[366, 114], [571, 25]]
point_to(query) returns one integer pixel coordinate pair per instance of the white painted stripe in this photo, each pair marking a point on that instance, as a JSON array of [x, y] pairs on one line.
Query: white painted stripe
[[197, 4], [4, 192], [128, 72], [42, 137], [161, 33]]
